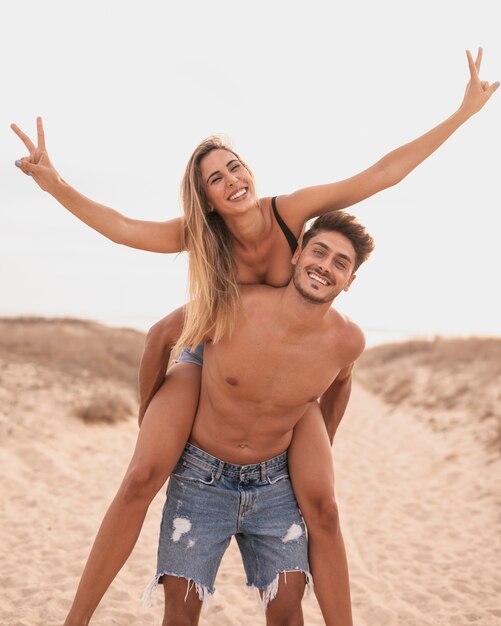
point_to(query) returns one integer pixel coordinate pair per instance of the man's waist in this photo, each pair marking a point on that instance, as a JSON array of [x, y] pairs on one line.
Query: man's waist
[[206, 461]]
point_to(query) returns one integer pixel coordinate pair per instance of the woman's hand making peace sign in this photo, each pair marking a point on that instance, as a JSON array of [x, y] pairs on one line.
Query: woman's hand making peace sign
[[37, 164], [477, 91]]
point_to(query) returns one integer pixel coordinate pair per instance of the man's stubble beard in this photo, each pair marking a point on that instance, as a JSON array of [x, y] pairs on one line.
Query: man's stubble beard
[[307, 296]]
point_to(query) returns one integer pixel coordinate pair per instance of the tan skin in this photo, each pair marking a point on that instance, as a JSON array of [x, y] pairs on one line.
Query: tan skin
[[262, 255], [249, 405]]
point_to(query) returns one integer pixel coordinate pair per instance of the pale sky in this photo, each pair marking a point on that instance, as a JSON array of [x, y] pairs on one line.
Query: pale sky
[[308, 93]]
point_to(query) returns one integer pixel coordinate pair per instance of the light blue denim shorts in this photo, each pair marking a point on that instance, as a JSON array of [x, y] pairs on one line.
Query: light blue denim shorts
[[196, 356], [210, 501]]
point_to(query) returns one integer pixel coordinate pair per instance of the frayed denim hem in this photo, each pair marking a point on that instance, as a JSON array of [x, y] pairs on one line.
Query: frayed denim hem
[[203, 592], [270, 591]]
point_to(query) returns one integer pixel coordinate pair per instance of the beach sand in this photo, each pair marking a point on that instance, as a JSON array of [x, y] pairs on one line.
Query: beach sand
[[420, 508]]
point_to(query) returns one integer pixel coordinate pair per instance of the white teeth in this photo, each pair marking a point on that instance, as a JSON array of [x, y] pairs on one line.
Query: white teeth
[[317, 278], [238, 194]]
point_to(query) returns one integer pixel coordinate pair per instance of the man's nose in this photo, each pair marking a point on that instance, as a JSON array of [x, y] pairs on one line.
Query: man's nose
[[323, 266]]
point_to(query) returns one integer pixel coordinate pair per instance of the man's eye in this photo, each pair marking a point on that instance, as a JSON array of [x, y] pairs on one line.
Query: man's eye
[[318, 252], [340, 265]]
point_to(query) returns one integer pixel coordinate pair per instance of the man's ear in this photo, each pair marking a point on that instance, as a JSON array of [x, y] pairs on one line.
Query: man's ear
[[296, 255], [348, 284]]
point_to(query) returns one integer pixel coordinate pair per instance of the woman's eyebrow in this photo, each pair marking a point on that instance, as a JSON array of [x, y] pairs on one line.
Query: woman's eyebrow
[[218, 172]]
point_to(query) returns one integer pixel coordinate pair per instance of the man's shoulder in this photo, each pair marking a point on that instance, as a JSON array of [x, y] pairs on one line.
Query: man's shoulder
[[346, 336]]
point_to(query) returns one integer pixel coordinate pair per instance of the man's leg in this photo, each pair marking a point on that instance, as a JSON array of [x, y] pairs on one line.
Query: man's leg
[[272, 540], [199, 518], [312, 474], [285, 609], [182, 607], [161, 440]]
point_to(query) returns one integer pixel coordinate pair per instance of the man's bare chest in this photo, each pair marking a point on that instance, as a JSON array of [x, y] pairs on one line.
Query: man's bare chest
[[263, 368]]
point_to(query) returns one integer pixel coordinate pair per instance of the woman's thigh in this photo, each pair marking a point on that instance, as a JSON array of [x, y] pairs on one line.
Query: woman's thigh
[[167, 424], [310, 463]]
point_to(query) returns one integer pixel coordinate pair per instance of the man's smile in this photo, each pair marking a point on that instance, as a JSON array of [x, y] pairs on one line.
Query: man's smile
[[319, 279]]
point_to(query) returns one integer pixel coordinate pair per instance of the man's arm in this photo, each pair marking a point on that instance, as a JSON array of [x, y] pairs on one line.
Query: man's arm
[[334, 401], [159, 343]]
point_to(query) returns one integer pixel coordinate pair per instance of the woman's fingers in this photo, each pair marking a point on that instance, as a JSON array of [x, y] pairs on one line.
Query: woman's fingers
[[40, 134], [26, 166], [492, 88], [478, 60], [24, 138]]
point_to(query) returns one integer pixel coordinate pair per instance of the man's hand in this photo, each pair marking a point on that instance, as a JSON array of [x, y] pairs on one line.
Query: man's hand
[[477, 91], [37, 164]]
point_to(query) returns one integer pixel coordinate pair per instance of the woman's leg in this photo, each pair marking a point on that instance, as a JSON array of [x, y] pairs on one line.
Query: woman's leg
[[164, 432], [312, 474], [155, 360]]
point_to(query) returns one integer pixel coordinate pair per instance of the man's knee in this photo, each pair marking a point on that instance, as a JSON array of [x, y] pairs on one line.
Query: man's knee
[[179, 620], [182, 604], [294, 620], [292, 616]]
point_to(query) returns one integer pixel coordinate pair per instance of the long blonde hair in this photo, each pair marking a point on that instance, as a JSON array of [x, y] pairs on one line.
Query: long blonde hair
[[213, 291]]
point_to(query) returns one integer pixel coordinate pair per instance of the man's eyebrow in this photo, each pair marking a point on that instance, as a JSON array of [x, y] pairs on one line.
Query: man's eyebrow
[[322, 245], [344, 256], [339, 254], [227, 165]]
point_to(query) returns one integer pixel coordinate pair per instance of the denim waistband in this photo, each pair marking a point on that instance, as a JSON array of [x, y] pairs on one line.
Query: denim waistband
[[206, 461]]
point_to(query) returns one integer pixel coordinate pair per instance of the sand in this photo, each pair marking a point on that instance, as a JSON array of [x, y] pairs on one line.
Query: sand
[[421, 513]]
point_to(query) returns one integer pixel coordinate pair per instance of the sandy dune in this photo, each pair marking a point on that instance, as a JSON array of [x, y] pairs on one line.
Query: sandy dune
[[421, 512]]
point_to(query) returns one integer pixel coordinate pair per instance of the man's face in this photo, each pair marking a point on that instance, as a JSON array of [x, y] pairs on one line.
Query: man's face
[[324, 267]]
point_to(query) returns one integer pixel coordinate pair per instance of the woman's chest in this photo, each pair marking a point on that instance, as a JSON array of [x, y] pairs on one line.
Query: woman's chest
[[268, 264]]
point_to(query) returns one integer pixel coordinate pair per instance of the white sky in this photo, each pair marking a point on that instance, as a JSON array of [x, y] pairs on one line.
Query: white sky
[[307, 92]]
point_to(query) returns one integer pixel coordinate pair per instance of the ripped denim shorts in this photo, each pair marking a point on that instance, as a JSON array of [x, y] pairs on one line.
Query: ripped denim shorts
[[210, 501]]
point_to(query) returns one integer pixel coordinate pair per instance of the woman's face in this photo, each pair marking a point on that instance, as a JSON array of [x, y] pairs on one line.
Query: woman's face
[[228, 185]]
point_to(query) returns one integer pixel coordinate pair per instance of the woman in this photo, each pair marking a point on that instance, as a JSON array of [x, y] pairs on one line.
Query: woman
[[232, 238]]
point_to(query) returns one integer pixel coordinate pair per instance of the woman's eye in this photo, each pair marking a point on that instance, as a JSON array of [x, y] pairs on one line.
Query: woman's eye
[[215, 180], [235, 167]]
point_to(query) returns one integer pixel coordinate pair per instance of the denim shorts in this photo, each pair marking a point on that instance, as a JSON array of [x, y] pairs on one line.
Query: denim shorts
[[210, 501], [196, 356]]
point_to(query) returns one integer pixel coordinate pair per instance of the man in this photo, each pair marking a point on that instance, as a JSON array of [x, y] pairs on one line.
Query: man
[[258, 388], [287, 348]]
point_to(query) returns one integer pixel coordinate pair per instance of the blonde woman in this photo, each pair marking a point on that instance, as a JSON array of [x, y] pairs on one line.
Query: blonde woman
[[232, 237]]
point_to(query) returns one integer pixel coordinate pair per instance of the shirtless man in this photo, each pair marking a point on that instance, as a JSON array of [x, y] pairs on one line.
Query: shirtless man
[[288, 347]]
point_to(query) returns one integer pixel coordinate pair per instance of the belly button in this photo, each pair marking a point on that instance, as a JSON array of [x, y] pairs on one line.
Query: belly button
[[243, 445], [232, 381]]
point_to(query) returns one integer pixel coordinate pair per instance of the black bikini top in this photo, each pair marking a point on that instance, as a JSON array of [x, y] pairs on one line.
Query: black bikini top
[[289, 235]]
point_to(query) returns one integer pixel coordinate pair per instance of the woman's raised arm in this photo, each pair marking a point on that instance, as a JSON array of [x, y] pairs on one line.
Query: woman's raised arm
[[153, 236], [306, 203]]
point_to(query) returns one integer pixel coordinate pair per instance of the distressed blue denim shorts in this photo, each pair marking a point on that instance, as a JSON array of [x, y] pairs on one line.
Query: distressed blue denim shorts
[[196, 356], [210, 501]]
